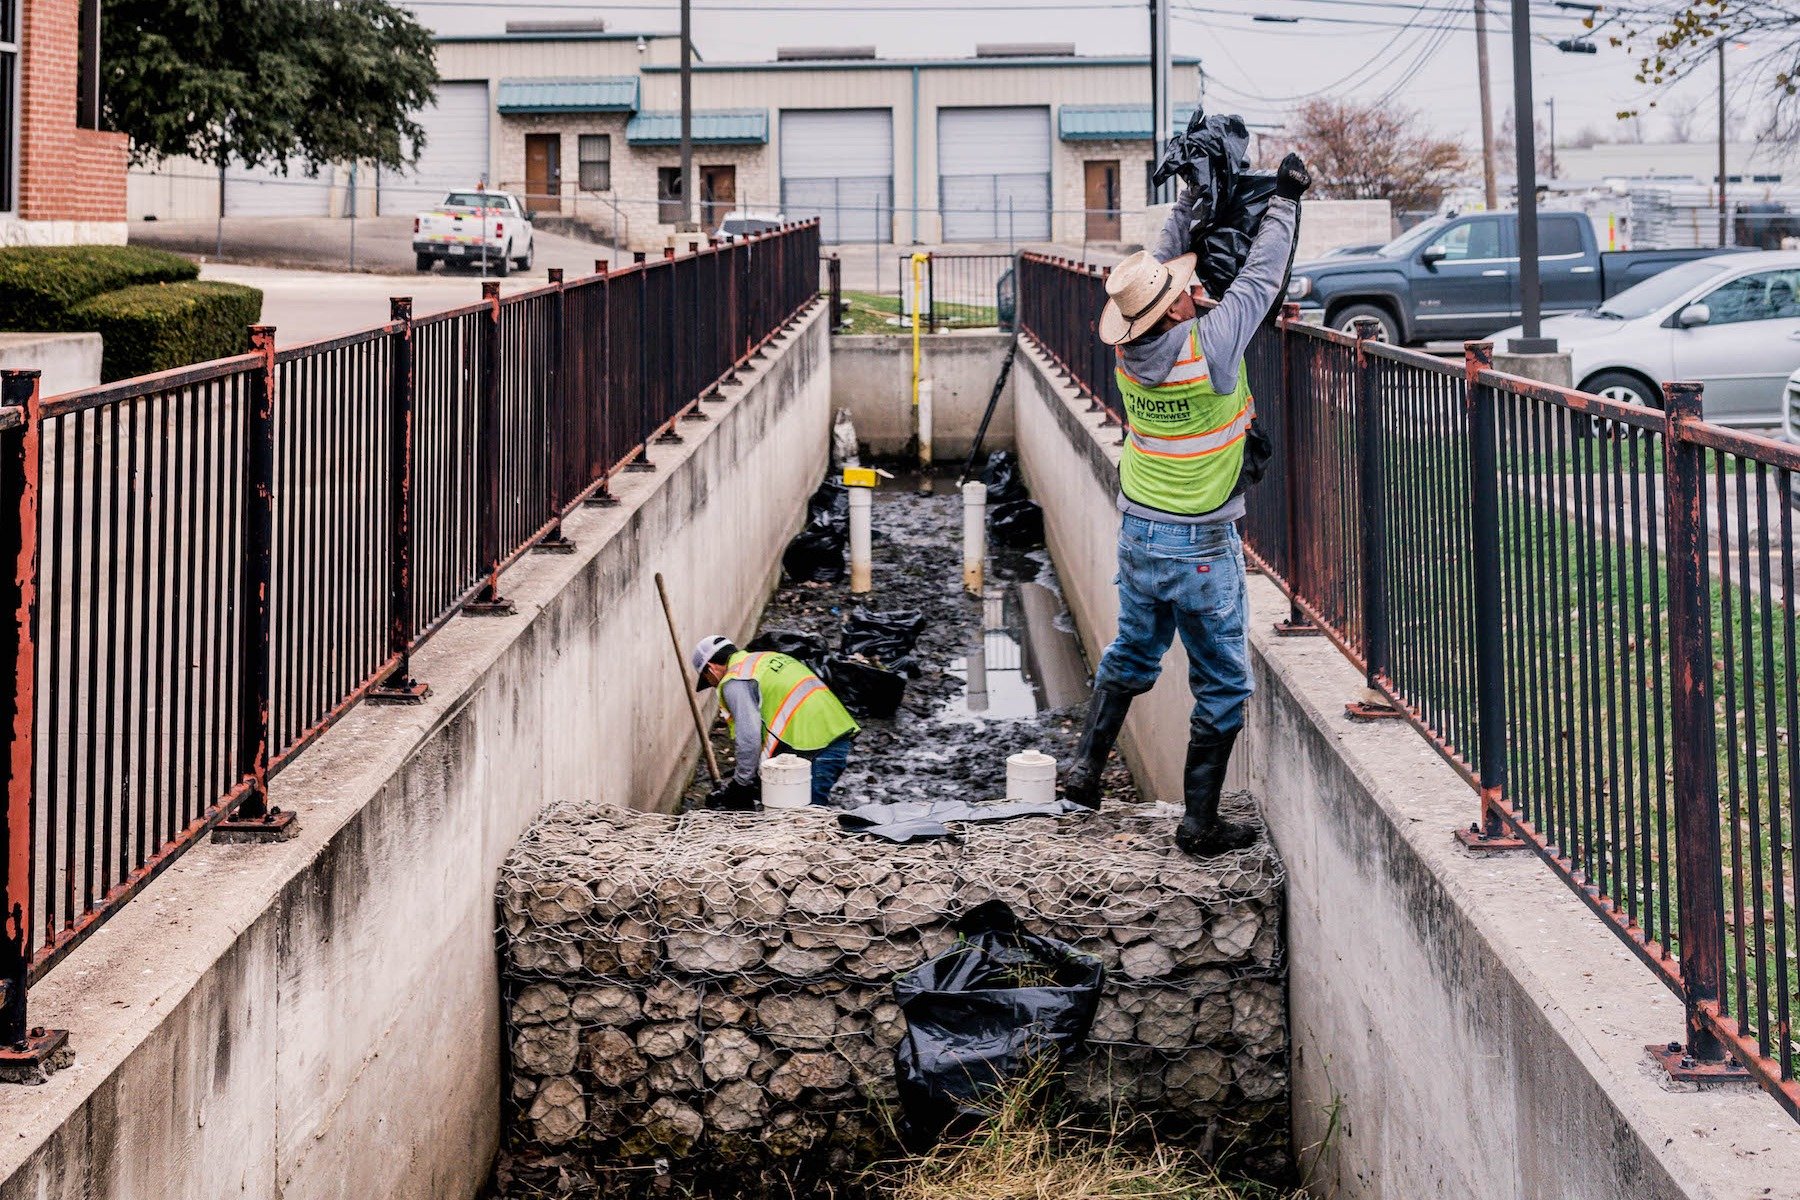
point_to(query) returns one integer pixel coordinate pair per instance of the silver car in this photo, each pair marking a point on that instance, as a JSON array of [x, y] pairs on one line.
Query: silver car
[[1731, 322]]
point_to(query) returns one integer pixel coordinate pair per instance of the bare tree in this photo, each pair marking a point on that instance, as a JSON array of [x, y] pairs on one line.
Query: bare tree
[[1673, 45], [1683, 112], [1506, 142], [1586, 138], [1367, 151]]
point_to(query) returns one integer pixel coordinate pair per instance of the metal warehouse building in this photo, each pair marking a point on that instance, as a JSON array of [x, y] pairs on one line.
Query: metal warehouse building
[[1014, 144]]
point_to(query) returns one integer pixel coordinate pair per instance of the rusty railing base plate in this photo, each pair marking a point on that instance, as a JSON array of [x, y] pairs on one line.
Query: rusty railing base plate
[[640, 465], [1367, 710], [694, 414], [555, 545], [1292, 628], [1473, 839], [669, 438], [278, 826], [34, 1060], [603, 499], [400, 691], [1672, 1058], [499, 606]]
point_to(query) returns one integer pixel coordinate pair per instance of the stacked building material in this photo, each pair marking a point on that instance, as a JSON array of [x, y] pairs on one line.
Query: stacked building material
[[718, 985]]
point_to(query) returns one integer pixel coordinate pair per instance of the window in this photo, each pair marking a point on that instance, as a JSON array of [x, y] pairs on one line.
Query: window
[[1766, 296], [668, 195], [1558, 236], [87, 65], [9, 100], [1471, 239], [596, 162]]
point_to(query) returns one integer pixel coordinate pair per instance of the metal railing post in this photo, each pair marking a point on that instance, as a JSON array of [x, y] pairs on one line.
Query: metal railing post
[[1371, 484], [1298, 624], [556, 434], [489, 602], [27, 1054], [1698, 877], [834, 275], [400, 687], [253, 816], [602, 453], [1490, 831]]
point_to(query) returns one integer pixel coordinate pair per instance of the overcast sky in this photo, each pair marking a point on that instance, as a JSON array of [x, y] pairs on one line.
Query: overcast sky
[[1420, 53]]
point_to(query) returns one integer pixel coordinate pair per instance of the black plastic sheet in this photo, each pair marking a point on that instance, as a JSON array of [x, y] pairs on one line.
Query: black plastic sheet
[[816, 555], [884, 637], [866, 690], [1001, 1007], [809, 648], [1001, 474], [1018, 524], [1229, 200]]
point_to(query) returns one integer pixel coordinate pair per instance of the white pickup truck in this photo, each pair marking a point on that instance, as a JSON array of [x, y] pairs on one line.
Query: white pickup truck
[[488, 228]]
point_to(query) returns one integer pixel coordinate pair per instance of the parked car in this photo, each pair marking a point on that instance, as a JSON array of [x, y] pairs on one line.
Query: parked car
[[485, 228], [1731, 321], [1458, 277], [739, 224]]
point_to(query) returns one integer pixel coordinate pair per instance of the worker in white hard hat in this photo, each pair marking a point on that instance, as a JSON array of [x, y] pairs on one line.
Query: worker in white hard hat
[[773, 704]]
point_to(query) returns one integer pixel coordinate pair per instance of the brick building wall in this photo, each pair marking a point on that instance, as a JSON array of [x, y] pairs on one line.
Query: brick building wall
[[71, 185]]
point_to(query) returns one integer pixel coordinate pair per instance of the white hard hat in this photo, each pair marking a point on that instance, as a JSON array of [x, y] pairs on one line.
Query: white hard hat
[[707, 650]]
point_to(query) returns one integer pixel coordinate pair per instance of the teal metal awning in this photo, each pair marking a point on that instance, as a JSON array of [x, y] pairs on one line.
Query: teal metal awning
[[1111, 122], [606, 93], [712, 127]]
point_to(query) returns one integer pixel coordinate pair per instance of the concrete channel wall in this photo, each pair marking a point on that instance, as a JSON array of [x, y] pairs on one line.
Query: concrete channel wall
[[871, 375], [1461, 1027], [320, 1018]]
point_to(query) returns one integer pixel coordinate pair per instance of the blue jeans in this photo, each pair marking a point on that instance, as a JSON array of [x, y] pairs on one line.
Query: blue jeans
[[1187, 580], [827, 765]]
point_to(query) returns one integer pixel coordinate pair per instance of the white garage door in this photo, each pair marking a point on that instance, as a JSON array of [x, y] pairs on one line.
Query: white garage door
[[266, 192], [838, 165], [455, 154], [994, 174]]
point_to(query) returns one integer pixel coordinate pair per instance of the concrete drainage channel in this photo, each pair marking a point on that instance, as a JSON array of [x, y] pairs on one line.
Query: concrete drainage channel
[[702, 1003]]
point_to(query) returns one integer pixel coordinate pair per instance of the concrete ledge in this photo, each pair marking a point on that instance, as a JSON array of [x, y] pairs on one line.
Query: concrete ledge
[[320, 1018], [69, 361], [1461, 1027], [871, 375]]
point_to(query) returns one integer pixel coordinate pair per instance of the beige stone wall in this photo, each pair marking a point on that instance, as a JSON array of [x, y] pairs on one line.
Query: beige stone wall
[[1069, 181]]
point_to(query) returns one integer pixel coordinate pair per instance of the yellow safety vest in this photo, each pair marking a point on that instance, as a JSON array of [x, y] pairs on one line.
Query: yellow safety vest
[[1184, 441], [798, 710]]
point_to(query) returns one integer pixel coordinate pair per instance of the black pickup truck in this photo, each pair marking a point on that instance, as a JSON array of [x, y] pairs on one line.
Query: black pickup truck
[[1458, 277]]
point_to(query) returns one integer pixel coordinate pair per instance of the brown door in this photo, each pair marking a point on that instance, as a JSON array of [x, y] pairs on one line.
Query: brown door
[[543, 172], [718, 195], [1103, 200]]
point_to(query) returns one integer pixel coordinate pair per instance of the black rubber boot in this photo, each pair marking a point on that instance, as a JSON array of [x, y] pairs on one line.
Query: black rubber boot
[[1202, 833], [1106, 713]]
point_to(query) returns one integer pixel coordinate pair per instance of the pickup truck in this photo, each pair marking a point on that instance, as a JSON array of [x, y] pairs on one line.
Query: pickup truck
[[487, 228], [1458, 277]]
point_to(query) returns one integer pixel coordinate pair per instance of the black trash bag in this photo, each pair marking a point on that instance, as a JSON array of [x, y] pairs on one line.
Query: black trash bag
[[882, 636], [1212, 158], [866, 690], [809, 648], [1001, 1006], [1001, 474], [816, 555], [1017, 523]]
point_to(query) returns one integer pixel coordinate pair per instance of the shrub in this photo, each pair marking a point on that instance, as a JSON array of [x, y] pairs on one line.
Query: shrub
[[162, 325], [40, 286]]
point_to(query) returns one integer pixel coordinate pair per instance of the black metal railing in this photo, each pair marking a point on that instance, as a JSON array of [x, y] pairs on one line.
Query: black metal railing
[[955, 291], [212, 565], [1583, 604]]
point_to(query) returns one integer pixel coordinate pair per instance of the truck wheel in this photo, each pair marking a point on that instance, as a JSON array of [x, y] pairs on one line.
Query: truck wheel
[[424, 261], [1346, 318], [529, 257], [1623, 386], [504, 265]]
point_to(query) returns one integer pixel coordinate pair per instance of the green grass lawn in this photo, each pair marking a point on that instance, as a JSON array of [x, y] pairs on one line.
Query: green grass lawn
[[867, 312]]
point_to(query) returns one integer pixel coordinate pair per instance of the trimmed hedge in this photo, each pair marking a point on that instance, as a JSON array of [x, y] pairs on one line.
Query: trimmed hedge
[[163, 325], [41, 286]]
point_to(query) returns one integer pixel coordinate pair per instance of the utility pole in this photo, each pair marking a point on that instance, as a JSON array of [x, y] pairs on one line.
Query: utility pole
[[1489, 172], [687, 113], [1724, 218], [1159, 79], [1524, 110], [1552, 103]]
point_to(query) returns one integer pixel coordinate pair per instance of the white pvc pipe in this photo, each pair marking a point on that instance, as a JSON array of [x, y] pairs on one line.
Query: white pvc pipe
[[786, 782], [861, 499], [925, 390], [1029, 776], [975, 665], [974, 495]]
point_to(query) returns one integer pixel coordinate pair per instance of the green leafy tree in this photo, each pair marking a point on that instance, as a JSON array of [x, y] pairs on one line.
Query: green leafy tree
[[267, 81]]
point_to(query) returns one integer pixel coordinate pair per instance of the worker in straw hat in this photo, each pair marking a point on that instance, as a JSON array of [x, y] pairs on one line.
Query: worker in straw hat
[[1181, 568]]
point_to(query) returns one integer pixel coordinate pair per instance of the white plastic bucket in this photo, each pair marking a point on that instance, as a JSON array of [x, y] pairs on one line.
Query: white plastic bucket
[[786, 782], [1030, 775]]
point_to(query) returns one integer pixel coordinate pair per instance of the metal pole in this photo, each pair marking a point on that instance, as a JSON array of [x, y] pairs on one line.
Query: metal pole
[[1371, 484], [1724, 221], [353, 216], [1159, 77], [556, 432], [253, 610], [1552, 103], [1699, 884], [687, 111], [1489, 169], [1530, 287], [400, 687], [489, 602], [1490, 666], [18, 600]]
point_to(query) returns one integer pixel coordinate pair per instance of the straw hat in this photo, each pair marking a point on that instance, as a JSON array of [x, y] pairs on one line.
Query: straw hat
[[1139, 291]]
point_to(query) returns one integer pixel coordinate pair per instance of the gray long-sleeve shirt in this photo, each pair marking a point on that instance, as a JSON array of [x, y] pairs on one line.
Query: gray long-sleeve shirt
[[744, 698], [1225, 331]]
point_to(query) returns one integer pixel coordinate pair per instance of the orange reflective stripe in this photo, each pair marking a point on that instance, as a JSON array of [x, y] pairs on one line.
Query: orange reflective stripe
[[747, 668], [1193, 445], [803, 691]]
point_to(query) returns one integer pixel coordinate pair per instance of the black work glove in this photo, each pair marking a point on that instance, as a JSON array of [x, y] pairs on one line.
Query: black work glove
[[1292, 179], [732, 796]]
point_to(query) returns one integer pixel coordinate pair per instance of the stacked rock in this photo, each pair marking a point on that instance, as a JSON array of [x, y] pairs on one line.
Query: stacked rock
[[719, 984]]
